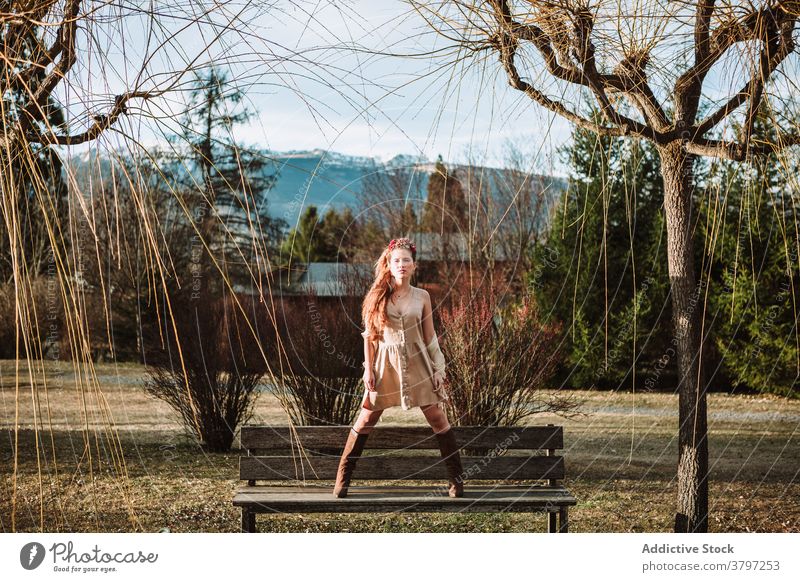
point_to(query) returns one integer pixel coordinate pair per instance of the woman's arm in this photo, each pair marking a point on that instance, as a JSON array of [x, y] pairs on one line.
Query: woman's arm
[[432, 342], [369, 350], [428, 332], [369, 374], [368, 353]]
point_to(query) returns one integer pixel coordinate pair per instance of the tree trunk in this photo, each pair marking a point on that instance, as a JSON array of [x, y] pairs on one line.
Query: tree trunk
[[687, 299]]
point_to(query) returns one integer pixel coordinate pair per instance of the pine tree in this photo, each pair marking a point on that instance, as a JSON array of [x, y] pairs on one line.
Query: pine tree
[[752, 209], [445, 207], [232, 207], [303, 243], [601, 269]]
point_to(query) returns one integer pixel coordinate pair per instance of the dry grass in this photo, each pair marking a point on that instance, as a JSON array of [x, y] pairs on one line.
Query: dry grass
[[620, 456]]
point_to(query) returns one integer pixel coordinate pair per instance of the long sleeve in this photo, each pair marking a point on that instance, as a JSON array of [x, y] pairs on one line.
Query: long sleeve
[[376, 336], [437, 357]]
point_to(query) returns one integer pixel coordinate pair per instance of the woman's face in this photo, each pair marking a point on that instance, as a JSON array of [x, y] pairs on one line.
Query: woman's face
[[401, 264]]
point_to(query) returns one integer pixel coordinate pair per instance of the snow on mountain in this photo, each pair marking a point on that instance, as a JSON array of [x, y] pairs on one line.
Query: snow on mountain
[[325, 178]]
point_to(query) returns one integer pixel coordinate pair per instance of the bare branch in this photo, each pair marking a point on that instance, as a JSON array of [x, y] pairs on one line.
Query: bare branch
[[65, 46], [631, 74], [563, 34], [507, 43], [702, 28], [101, 123], [507, 59], [688, 87], [38, 66], [710, 46], [777, 48], [739, 152]]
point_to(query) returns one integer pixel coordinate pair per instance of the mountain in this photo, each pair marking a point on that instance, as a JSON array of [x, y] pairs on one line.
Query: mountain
[[332, 179], [319, 177]]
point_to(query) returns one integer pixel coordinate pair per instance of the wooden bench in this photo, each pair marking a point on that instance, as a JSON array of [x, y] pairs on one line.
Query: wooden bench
[[529, 479]]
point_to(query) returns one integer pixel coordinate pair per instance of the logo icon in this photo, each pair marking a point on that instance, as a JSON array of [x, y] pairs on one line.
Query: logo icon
[[31, 555]]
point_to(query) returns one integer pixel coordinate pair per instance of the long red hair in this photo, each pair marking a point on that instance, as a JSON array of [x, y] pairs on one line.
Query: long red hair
[[373, 310]]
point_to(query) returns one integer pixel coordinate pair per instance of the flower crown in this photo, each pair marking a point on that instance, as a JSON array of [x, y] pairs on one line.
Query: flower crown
[[402, 243]]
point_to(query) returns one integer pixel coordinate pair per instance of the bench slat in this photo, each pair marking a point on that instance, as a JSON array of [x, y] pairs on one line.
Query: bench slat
[[395, 467], [396, 437], [486, 498]]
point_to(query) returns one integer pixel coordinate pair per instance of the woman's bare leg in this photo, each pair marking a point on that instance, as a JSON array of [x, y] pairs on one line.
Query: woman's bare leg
[[436, 417], [366, 420]]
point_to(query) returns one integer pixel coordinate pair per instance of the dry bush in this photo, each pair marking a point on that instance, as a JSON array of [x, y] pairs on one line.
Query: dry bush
[[209, 374], [321, 384], [499, 361]]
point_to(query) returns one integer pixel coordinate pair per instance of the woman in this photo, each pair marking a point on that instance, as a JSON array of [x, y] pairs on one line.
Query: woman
[[403, 363]]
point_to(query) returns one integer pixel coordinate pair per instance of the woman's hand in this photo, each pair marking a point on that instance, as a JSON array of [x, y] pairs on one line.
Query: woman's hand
[[439, 380], [369, 379]]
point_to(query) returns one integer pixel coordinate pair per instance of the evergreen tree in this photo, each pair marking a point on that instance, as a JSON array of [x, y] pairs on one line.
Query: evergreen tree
[[332, 238], [340, 233], [600, 269], [445, 207], [752, 210], [745, 257], [306, 242], [231, 210]]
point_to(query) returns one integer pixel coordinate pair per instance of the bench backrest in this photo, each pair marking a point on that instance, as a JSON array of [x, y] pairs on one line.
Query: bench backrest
[[303, 453]]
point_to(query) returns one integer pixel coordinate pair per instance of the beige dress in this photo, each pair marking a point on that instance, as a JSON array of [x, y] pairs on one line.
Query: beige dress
[[402, 366]]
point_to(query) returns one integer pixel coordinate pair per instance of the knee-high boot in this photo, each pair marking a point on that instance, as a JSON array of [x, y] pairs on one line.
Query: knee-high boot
[[352, 451], [452, 459]]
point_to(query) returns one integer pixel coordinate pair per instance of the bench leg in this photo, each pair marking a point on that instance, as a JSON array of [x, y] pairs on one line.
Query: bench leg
[[563, 520], [248, 521], [551, 522]]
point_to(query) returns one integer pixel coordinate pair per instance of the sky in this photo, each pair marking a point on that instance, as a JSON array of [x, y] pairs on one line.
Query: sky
[[379, 105], [364, 78], [401, 104], [312, 73]]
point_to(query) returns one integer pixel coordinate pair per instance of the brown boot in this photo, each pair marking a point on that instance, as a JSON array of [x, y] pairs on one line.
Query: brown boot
[[352, 451], [452, 459]]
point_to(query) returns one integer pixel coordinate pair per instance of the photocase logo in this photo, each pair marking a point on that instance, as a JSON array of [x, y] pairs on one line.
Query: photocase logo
[[31, 555]]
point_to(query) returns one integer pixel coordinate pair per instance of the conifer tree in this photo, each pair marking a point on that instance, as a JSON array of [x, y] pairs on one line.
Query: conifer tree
[[752, 209], [231, 209], [445, 207], [601, 269]]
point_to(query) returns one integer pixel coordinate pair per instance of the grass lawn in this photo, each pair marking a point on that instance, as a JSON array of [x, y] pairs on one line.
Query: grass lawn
[[146, 474]]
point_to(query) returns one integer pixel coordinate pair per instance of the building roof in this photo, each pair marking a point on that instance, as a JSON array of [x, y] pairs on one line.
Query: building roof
[[323, 279]]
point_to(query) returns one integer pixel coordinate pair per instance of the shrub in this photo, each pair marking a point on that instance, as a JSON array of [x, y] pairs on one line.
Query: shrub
[[498, 362], [209, 366], [41, 325], [321, 385]]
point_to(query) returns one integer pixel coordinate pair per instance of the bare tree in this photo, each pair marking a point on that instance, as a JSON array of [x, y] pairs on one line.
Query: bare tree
[[647, 66], [391, 197], [526, 198], [111, 78], [510, 207]]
